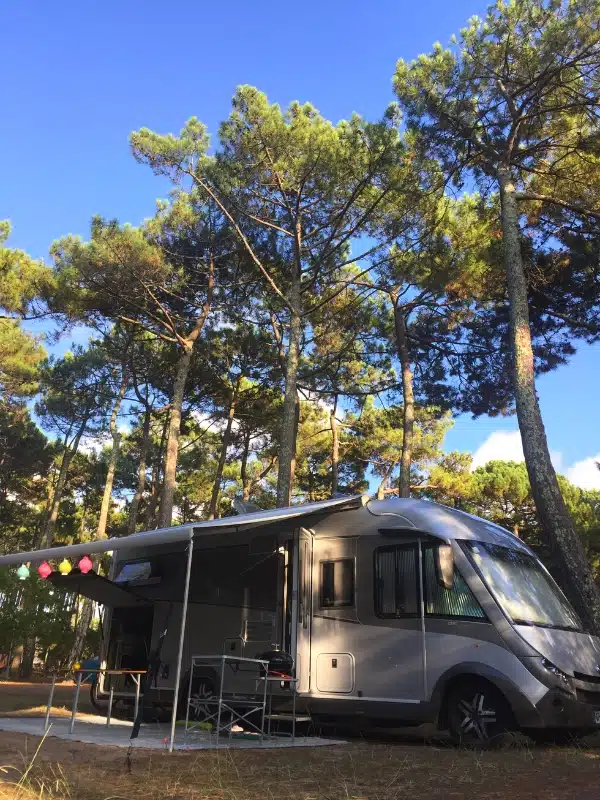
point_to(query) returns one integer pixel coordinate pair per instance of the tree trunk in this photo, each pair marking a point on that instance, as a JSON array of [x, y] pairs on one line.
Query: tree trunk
[[168, 490], [335, 449], [244, 467], [47, 532], [287, 444], [141, 482], [81, 629], [27, 656], [311, 487], [384, 482], [408, 413], [156, 472], [566, 548], [295, 456], [112, 462], [212, 508]]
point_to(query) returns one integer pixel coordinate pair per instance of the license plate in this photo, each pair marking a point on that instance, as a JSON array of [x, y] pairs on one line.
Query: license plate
[[597, 717]]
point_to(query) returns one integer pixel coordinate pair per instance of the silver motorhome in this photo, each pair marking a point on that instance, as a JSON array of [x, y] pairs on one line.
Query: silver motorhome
[[395, 612]]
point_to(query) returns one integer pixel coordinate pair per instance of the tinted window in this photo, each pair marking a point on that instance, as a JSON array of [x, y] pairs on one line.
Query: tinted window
[[136, 571], [337, 583], [440, 602], [231, 576], [396, 582]]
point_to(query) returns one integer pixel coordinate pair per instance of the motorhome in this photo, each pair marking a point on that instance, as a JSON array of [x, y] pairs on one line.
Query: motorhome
[[394, 612]]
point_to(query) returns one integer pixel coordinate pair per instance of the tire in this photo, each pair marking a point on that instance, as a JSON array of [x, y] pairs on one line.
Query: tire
[[202, 688], [478, 714], [102, 705], [94, 697]]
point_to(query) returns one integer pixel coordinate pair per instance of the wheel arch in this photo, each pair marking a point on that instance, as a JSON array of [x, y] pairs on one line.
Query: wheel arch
[[520, 706]]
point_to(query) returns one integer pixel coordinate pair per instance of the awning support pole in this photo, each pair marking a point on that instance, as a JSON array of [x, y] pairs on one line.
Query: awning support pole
[[184, 608]]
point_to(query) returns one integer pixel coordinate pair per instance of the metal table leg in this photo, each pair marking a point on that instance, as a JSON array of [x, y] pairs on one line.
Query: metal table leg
[[110, 703], [49, 708], [220, 701], [75, 702], [137, 679]]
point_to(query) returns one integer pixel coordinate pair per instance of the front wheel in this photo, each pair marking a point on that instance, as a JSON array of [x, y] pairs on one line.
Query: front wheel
[[478, 715]]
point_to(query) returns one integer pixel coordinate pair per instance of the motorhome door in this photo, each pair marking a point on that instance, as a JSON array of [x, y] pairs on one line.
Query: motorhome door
[[302, 606]]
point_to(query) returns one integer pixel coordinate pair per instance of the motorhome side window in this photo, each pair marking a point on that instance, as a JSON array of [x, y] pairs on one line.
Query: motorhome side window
[[337, 583], [440, 602], [396, 593], [134, 572]]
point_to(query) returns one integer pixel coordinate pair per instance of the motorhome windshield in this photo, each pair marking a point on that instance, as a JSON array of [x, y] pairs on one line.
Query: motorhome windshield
[[522, 587]]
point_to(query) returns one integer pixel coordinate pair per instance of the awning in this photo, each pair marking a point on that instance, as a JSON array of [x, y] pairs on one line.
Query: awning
[[97, 588], [183, 533]]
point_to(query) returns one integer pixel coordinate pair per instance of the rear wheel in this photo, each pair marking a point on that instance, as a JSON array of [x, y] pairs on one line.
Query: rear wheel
[[478, 714], [102, 705], [94, 697], [203, 688]]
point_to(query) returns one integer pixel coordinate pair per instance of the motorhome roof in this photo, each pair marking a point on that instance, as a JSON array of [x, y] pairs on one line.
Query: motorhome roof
[[368, 518], [423, 515]]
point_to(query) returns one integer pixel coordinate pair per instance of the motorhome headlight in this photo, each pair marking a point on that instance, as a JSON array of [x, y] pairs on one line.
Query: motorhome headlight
[[558, 673]]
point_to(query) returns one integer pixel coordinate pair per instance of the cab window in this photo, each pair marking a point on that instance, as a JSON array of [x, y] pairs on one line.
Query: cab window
[[441, 602]]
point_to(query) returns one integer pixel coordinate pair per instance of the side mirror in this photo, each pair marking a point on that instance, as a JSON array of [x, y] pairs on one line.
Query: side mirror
[[445, 565]]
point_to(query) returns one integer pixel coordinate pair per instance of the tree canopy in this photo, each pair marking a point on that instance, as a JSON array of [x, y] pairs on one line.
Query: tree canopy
[[310, 308]]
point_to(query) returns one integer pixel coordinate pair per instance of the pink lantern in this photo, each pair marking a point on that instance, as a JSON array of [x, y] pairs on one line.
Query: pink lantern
[[85, 565], [44, 570]]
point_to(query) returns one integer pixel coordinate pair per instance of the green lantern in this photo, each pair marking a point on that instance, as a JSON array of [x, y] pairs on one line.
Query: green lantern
[[23, 572]]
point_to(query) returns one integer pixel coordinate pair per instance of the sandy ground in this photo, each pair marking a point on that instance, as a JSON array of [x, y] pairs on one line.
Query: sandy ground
[[17, 696]]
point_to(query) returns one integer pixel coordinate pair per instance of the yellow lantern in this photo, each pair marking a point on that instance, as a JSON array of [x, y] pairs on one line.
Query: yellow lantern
[[65, 567]]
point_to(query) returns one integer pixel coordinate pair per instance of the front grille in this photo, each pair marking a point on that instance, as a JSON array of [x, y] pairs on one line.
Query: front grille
[[591, 698], [581, 676]]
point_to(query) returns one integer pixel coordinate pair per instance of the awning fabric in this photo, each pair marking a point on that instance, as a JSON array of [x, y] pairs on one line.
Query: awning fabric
[[97, 588], [184, 533]]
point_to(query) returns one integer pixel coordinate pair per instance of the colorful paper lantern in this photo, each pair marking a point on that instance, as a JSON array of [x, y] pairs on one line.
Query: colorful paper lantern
[[44, 570], [23, 572], [85, 565], [65, 567]]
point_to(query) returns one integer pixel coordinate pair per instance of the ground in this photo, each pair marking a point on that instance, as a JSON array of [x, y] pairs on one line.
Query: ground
[[388, 768]]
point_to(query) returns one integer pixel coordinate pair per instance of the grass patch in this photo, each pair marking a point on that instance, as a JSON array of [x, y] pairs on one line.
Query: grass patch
[[390, 768], [61, 770]]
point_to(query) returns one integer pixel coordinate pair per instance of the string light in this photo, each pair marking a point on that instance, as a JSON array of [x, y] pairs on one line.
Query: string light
[[85, 565], [65, 567], [44, 570]]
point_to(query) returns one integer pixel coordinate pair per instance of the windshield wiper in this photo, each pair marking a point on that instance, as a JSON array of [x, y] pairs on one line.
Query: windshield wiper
[[548, 625]]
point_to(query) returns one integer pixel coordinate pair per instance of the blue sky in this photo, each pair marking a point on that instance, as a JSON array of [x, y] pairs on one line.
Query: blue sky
[[79, 77]]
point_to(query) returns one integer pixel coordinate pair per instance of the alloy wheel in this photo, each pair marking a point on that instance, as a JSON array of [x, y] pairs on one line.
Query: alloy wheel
[[478, 717], [201, 691]]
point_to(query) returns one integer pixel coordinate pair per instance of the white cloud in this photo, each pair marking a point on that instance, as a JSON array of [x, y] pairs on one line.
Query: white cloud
[[507, 446], [585, 474], [499, 446]]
